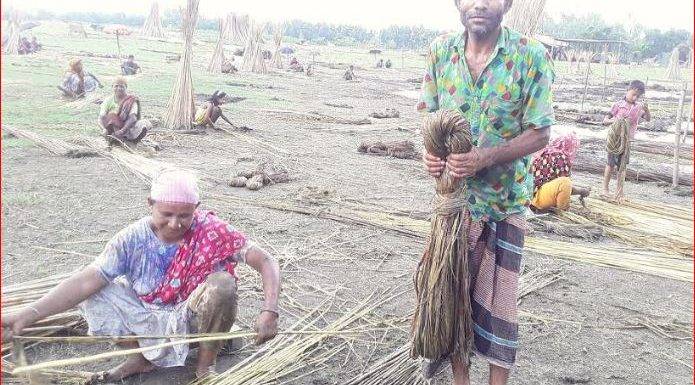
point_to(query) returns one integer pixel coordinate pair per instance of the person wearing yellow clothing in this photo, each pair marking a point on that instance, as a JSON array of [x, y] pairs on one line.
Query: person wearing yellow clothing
[[207, 114], [551, 168], [556, 194]]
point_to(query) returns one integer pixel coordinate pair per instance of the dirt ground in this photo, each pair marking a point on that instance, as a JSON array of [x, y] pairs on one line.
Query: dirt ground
[[58, 212]]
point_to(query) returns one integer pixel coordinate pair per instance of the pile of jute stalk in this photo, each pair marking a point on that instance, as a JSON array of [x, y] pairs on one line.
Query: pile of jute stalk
[[288, 355], [16, 297], [399, 369], [442, 323]]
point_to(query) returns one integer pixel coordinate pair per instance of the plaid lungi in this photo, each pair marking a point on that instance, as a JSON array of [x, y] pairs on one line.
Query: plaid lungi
[[494, 267]]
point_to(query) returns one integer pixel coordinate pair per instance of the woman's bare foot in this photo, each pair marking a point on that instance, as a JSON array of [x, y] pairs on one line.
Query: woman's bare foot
[[134, 364], [205, 372]]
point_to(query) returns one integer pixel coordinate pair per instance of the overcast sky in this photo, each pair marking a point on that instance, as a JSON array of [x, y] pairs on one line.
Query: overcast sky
[[439, 14]]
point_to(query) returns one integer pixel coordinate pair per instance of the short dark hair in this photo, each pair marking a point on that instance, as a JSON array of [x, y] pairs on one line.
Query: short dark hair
[[637, 85]]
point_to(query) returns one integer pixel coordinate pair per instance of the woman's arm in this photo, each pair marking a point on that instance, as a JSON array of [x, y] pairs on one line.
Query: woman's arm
[[63, 297], [268, 268]]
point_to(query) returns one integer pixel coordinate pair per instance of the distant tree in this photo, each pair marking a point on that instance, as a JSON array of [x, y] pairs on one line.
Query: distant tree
[[661, 43], [642, 43]]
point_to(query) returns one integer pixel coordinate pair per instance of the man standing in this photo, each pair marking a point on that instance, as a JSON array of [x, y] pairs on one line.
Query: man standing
[[500, 82]]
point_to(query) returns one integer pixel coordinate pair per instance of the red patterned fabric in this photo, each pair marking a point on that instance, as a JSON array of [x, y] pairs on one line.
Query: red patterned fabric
[[548, 166], [209, 243]]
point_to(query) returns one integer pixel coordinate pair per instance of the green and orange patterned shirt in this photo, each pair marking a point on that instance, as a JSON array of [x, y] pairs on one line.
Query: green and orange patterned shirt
[[512, 94]]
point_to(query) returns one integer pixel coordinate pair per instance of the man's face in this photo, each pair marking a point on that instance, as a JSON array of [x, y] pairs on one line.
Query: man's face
[[171, 220], [481, 17], [119, 89], [633, 95]]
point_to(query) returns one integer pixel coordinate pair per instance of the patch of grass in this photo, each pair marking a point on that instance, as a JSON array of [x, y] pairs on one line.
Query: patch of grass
[[24, 199], [13, 142]]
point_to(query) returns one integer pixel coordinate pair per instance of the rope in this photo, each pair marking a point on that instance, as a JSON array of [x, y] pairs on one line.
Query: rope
[[442, 323], [618, 142]]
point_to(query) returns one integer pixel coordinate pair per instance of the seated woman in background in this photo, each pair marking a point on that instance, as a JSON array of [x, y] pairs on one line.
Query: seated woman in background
[[120, 115], [77, 81], [552, 169], [207, 114]]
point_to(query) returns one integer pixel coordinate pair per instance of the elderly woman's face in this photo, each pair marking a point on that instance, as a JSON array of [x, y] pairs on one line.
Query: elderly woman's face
[[171, 220], [119, 89]]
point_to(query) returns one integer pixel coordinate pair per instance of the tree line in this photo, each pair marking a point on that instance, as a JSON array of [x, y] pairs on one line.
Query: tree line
[[643, 42]]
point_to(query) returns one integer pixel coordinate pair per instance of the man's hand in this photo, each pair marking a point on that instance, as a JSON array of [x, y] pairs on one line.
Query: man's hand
[[433, 165], [266, 327], [645, 108], [466, 165]]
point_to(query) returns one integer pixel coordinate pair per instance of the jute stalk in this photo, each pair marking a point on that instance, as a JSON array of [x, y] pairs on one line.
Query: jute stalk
[[153, 24], [217, 59], [181, 108]]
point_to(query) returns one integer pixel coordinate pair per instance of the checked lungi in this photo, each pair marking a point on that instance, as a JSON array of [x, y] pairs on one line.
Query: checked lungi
[[494, 267]]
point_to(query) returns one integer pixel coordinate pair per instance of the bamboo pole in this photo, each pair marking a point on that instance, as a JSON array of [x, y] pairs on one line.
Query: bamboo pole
[[676, 148], [586, 86], [118, 43], [127, 352]]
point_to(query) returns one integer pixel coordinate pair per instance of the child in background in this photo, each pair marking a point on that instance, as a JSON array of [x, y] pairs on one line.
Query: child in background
[[628, 111]]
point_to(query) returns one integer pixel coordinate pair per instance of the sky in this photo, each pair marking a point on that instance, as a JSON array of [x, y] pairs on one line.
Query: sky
[[375, 14]]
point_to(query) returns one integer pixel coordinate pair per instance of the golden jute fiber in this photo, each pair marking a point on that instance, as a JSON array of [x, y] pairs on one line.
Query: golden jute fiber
[[442, 323]]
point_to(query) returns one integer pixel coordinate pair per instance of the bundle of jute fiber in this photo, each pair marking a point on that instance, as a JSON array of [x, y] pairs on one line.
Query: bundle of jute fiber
[[618, 142], [442, 323]]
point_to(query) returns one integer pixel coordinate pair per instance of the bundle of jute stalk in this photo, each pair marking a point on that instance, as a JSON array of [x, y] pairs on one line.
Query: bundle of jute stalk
[[442, 323]]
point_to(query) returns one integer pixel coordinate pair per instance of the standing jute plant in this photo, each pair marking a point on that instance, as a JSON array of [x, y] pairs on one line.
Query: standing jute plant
[[673, 72], [181, 108], [525, 16], [12, 44], [238, 29], [442, 323], [253, 53], [153, 24], [277, 55], [217, 59]]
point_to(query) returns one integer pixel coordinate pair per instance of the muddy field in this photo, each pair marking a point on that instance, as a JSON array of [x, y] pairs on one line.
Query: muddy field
[[58, 212]]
